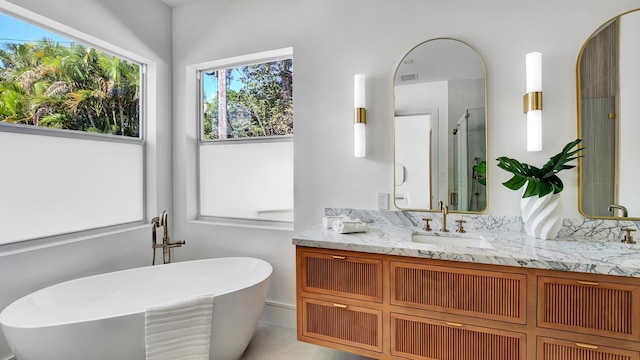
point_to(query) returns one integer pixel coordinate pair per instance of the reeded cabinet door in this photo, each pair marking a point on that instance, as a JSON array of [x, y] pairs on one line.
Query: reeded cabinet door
[[555, 349], [352, 277], [428, 339], [590, 307], [483, 294], [340, 323]]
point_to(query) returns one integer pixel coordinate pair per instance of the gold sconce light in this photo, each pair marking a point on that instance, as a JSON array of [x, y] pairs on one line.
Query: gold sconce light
[[532, 101]]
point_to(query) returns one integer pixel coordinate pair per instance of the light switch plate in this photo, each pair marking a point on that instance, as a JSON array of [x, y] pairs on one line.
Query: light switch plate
[[383, 201]]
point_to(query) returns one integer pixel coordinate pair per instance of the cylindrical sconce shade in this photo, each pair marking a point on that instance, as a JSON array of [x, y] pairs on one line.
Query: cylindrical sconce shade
[[358, 92], [534, 130], [359, 129], [534, 72], [360, 140], [533, 101]]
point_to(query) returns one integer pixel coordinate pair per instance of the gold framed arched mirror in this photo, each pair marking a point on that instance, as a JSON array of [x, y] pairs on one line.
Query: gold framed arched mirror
[[608, 90], [440, 128]]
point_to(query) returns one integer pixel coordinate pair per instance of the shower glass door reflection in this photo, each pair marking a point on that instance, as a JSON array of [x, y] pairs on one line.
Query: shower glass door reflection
[[468, 150]]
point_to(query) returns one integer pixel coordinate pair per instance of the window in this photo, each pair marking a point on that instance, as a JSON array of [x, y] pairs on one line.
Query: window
[[70, 135], [246, 138], [248, 101]]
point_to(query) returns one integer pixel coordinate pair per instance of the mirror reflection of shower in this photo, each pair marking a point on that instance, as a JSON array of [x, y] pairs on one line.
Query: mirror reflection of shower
[[467, 190]]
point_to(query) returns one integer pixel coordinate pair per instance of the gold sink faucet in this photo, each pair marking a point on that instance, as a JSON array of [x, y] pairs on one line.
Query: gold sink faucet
[[619, 207], [156, 222], [445, 210]]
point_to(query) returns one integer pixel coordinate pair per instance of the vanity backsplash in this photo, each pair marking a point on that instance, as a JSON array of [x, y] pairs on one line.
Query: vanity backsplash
[[595, 228]]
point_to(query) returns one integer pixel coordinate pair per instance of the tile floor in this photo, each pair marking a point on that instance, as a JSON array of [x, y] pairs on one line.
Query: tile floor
[[272, 342]]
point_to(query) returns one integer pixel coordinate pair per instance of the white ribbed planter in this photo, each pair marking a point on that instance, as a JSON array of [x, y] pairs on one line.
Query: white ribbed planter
[[541, 216]]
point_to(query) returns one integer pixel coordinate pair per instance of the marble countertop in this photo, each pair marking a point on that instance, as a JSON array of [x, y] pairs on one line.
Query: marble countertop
[[579, 254]]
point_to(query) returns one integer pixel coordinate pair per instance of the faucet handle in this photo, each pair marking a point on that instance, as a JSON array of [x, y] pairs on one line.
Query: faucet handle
[[628, 238], [460, 227], [178, 243], [427, 227]]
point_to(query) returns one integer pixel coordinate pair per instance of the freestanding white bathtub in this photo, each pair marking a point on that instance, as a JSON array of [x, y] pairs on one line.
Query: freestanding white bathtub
[[102, 317]]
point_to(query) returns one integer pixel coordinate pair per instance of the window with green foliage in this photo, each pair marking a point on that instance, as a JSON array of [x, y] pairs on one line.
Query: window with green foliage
[[63, 84], [55, 95], [248, 101]]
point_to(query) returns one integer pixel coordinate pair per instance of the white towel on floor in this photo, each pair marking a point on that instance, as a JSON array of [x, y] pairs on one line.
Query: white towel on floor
[[181, 330], [349, 226]]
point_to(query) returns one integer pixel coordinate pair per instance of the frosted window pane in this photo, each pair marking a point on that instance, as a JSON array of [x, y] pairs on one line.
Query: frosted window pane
[[54, 185], [247, 181]]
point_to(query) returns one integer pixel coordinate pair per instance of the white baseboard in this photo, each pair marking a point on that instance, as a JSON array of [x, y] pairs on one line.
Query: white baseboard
[[278, 313]]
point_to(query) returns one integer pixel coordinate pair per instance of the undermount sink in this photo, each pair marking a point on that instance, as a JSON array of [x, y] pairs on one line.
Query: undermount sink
[[455, 239]]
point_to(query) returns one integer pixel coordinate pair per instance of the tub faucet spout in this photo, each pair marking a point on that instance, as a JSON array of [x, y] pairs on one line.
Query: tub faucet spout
[[156, 222]]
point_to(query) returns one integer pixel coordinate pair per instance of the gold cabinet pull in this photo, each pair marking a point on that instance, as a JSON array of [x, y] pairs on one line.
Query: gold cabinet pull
[[454, 324], [341, 306], [591, 283], [586, 346], [338, 257]]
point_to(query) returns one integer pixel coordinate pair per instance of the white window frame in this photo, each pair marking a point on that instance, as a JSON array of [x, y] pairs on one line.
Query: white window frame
[[251, 59], [89, 41]]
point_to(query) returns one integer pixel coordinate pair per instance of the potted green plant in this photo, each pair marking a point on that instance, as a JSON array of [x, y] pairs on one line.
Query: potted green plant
[[540, 203]]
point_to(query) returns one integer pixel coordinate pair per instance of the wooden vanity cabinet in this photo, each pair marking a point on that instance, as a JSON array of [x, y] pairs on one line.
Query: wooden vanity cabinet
[[470, 292], [583, 316], [423, 338], [340, 300], [556, 349], [395, 307], [593, 307]]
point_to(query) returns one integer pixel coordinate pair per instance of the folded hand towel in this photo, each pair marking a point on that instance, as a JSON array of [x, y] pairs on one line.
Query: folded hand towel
[[328, 221], [180, 330], [349, 226]]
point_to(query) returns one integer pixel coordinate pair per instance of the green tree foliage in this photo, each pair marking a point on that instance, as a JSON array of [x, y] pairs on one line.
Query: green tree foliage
[[73, 87], [263, 106]]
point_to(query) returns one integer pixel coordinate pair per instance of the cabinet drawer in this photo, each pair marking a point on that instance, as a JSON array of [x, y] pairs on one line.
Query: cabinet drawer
[[595, 308], [421, 338], [346, 276], [554, 349], [484, 294], [340, 323]]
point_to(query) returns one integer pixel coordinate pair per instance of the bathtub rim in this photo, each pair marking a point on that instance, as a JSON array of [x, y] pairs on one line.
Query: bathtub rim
[[264, 278]]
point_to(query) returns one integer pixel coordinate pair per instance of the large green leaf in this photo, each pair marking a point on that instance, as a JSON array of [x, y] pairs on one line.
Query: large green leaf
[[481, 171], [543, 181]]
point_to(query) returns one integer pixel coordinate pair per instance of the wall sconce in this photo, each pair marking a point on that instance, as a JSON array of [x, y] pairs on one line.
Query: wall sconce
[[533, 101], [359, 132]]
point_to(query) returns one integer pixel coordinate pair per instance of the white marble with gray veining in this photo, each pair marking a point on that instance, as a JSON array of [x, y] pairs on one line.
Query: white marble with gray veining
[[590, 246]]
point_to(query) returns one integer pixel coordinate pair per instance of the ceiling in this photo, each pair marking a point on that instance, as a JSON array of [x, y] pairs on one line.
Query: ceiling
[[174, 3]]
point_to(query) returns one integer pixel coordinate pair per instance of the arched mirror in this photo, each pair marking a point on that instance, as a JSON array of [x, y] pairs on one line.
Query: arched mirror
[[440, 128], [608, 91]]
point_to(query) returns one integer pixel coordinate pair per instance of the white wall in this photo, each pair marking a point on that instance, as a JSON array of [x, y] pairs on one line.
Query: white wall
[[333, 40], [140, 29]]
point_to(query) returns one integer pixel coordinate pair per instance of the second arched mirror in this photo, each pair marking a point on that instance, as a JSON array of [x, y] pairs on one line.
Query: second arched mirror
[[608, 87], [440, 128]]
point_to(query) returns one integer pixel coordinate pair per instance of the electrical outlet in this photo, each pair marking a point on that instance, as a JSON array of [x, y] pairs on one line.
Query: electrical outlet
[[383, 201]]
